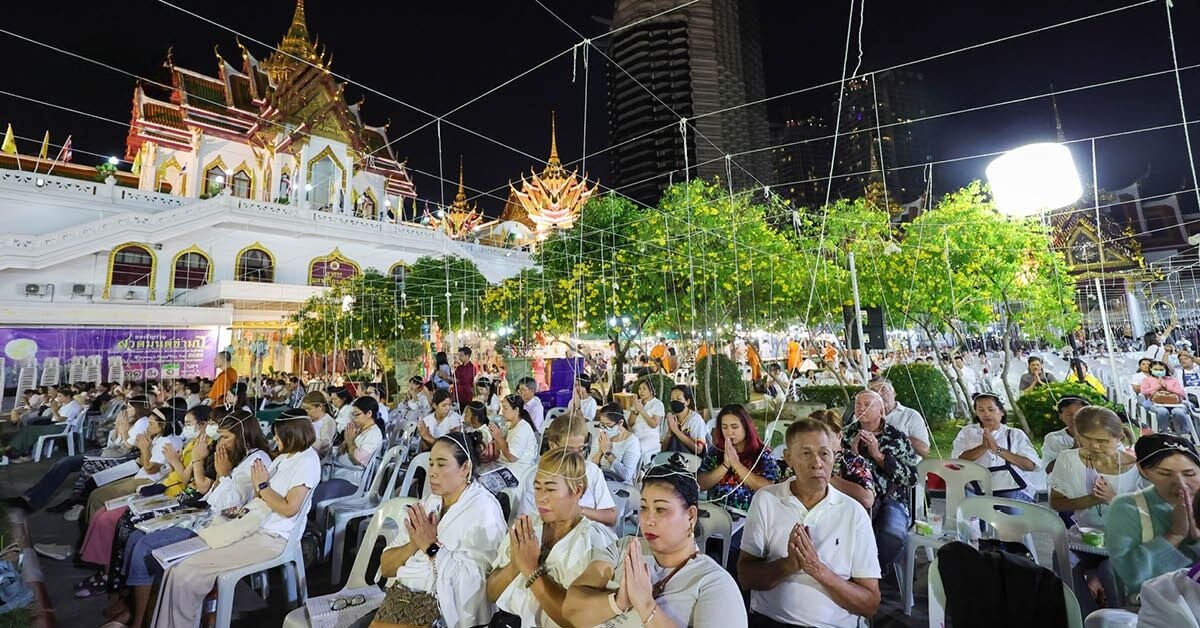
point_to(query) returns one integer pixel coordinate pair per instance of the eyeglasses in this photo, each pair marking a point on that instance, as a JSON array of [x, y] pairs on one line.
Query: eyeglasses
[[342, 603]]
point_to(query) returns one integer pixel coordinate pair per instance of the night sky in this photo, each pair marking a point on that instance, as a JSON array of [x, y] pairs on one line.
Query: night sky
[[438, 55]]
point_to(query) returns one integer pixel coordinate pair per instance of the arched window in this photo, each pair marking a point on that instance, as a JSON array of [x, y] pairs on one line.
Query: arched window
[[132, 265], [191, 271], [255, 264], [214, 181], [366, 207], [399, 273], [241, 184]]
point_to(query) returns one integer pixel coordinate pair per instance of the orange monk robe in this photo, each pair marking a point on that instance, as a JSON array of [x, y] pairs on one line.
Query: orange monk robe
[[222, 384], [793, 356], [755, 362], [701, 352], [659, 352]]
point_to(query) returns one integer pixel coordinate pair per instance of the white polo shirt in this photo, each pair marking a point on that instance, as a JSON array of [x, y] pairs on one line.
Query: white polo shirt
[[536, 412], [841, 530], [909, 421]]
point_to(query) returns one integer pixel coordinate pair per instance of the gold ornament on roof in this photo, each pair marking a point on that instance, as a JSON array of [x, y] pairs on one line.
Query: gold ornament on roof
[[552, 199], [460, 219]]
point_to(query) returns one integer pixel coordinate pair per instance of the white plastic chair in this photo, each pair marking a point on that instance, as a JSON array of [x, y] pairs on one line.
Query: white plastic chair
[[70, 433], [291, 560], [554, 413], [776, 427], [691, 461], [715, 523], [628, 499], [341, 513], [937, 601], [420, 461], [1019, 525], [513, 494], [957, 475], [1111, 618]]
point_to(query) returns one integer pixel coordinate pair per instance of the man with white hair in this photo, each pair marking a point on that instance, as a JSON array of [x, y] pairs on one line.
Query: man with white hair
[[893, 462], [901, 417]]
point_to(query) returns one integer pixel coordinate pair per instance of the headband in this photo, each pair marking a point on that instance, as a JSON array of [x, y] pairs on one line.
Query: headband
[[291, 414]]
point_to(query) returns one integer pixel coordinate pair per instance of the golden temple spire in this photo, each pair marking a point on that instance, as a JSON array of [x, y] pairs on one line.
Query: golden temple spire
[[296, 41], [460, 199], [554, 161]]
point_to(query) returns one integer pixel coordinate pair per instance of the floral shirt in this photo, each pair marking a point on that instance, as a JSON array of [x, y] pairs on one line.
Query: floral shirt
[[730, 490], [898, 471]]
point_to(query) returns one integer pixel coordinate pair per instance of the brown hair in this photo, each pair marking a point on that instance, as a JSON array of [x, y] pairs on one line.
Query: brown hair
[[564, 427], [568, 465], [295, 435], [807, 425], [1095, 418], [316, 398], [828, 417]]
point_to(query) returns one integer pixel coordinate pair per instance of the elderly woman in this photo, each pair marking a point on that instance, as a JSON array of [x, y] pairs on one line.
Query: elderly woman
[[1006, 452], [672, 584], [1151, 532], [647, 416], [442, 421], [544, 553], [438, 566], [1163, 395], [738, 463], [617, 452]]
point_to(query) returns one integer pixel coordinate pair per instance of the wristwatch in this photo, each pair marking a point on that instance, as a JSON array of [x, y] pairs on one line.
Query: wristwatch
[[432, 550], [263, 486]]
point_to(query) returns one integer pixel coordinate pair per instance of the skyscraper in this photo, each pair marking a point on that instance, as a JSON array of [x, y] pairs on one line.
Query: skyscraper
[[704, 58]]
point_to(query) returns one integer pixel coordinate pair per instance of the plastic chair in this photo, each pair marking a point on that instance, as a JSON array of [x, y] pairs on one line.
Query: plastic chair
[[70, 433], [513, 494], [714, 522], [420, 461], [937, 601], [554, 413], [1111, 618], [394, 509], [957, 475], [780, 427], [1016, 523], [291, 560], [629, 502], [691, 461], [342, 512]]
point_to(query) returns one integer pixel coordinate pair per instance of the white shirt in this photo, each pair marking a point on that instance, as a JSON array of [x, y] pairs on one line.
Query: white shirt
[[596, 496], [522, 443], [325, 429], [909, 421], [287, 472], [159, 457], [651, 437], [693, 426], [839, 527], [445, 426], [700, 594], [1073, 479], [1170, 600], [344, 417], [1055, 443], [1154, 352], [627, 457], [1014, 440], [138, 427], [72, 413], [536, 412], [568, 558], [192, 400], [366, 443], [237, 489], [587, 407], [1135, 380]]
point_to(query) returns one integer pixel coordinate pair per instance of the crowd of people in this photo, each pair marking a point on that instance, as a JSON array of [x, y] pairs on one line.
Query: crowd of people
[[816, 524]]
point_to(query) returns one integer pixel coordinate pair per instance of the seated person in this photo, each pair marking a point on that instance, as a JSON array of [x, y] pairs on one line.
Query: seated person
[[340, 399], [1149, 533], [1172, 599], [363, 438], [1085, 482], [808, 552], [28, 408], [647, 417], [618, 452], [1135, 380], [683, 429], [1189, 372], [1064, 439], [851, 472], [597, 502], [517, 445], [281, 499], [582, 403], [902, 417], [527, 389], [324, 425], [485, 393], [1076, 367], [1163, 395], [738, 463], [163, 431], [894, 467], [476, 420], [779, 385], [1005, 451], [439, 563], [442, 421], [672, 584], [522, 582], [1036, 376], [66, 411], [417, 404]]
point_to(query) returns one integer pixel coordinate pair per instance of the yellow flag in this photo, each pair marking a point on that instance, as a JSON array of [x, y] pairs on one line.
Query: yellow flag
[[137, 163], [45, 146], [10, 142]]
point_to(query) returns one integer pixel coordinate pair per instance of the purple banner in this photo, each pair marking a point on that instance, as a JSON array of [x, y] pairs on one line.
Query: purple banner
[[146, 353]]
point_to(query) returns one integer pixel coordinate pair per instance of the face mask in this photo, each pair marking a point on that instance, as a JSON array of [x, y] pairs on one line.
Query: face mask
[[613, 431], [678, 406], [211, 431], [1158, 372], [189, 432]]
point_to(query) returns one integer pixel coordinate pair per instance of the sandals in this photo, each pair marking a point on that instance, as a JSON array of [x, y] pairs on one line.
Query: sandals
[[94, 585]]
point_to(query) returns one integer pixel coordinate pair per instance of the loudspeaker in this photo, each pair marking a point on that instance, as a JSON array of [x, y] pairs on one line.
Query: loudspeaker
[[354, 359], [873, 328]]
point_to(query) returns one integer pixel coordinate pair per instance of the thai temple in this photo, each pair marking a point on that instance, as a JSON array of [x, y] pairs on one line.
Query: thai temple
[[253, 186]]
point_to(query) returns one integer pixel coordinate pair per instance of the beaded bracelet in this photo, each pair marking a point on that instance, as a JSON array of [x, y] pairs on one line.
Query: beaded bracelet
[[537, 573]]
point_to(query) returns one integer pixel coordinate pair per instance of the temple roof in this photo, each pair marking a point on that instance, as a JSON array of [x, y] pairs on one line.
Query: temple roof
[[462, 216], [551, 199]]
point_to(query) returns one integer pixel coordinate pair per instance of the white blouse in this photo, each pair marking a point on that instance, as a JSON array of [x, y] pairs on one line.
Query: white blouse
[[1006, 437], [237, 489], [366, 443], [1073, 479], [651, 437], [627, 457], [522, 443], [287, 472], [566, 561]]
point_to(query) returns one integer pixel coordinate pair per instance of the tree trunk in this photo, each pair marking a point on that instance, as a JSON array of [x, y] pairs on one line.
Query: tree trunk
[[1012, 399]]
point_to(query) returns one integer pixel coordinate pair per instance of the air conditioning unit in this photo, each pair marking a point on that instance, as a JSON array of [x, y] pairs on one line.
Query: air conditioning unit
[[81, 289], [34, 289]]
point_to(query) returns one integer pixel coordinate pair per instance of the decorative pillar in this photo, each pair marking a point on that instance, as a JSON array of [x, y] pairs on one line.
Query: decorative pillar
[[1135, 309]]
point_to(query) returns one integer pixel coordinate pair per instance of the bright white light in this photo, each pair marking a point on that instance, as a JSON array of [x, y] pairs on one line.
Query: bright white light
[[347, 302], [308, 187], [624, 320], [112, 161], [612, 321], [1034, 178], [219, 180]]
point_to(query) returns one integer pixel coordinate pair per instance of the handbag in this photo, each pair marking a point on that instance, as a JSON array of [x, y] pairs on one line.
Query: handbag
[[1165, 397]]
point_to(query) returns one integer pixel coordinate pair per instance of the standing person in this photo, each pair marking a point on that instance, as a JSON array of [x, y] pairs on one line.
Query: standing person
[[442, 377], [224, 381], [894, 466], [464, 377]]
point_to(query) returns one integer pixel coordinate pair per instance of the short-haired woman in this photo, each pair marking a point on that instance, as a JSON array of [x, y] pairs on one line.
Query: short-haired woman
[[324, 426], [442, 421], [647, 417], [618, 452]]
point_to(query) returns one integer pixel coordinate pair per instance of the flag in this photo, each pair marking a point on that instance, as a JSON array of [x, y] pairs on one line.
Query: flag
[[10, 142], [137, 163], [45, 146]]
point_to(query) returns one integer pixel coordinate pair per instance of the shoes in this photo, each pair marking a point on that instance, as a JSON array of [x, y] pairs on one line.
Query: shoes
[[73, 513], [94, 585], [53, 550], [22, 460], [3, 461], [62, 506]]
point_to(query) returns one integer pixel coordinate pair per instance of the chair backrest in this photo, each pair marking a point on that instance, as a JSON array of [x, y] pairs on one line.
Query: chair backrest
[[1011, 520], [691, 460], [957, 474], [777, 426], [420, 461], [386, 468], [513, 495], [554, 413], [937, 600], [628, 499], [713, 520], [394, 509]]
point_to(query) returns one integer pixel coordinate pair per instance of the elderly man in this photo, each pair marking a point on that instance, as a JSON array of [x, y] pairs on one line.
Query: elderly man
[[527, 390], [902, 417], [894, 464], [1036, 376]]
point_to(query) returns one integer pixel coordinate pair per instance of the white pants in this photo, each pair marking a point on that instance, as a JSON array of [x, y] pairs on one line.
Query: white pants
[[189, 581]]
